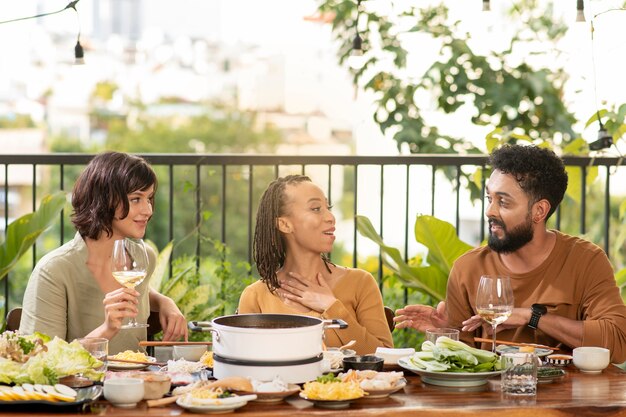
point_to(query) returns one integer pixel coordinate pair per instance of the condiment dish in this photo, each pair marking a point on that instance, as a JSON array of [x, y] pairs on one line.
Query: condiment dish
[[365, 362], [191, 353]]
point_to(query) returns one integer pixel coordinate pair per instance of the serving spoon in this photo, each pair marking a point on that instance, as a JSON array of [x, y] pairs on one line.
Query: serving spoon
[[347, 345]]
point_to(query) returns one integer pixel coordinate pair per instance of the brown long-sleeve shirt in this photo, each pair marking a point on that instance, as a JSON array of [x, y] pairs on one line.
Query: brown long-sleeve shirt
[[359, 303], [575, 281]]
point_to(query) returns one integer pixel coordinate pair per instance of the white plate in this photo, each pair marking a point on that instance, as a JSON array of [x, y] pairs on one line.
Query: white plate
[[449, 379], [514, 349], [272, 397], [332, 404], [383, 393], [210, 409], [123, 366]]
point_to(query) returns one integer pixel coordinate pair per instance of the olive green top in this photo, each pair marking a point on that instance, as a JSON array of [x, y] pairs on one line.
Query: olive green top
[[63, 299]]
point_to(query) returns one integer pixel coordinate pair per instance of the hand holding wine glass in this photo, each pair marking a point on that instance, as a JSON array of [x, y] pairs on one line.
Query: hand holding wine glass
[[129, 266], [494, 301]]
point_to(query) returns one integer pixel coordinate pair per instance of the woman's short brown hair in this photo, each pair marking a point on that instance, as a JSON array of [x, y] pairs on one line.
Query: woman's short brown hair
[[103, 186]]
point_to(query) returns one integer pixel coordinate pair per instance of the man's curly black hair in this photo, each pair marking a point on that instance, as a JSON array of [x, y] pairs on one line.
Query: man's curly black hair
[[538, 171]]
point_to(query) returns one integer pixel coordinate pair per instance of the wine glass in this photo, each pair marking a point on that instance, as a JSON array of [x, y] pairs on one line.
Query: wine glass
[[494, 301], [129, 265]]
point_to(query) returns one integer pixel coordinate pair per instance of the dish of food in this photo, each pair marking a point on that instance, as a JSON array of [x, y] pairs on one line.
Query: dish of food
[[449, 379], [514, 349], [83, 396], [332, 404], [123, 366], [376, 384], [330, 388], [213, 406], [373, 394], [335, 358], [273, 396], [548, 374]]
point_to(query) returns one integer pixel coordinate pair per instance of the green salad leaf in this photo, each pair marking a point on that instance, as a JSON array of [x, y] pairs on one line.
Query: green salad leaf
[[449, 355], [327, 378], [43, 361]]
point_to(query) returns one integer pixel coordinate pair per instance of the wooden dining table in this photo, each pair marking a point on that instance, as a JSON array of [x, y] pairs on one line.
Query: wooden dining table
[[575, 394]]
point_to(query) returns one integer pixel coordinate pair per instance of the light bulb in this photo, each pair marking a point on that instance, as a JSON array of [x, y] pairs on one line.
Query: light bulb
[[79, 54]]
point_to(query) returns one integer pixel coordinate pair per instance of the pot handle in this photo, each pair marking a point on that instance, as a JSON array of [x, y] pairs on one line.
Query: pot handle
[[335, 324], [204, 326]]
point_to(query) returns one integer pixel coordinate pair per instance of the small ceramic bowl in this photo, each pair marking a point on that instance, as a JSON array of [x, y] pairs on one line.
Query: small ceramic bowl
[[155, 384], [591, 359], [361, 363], [391, 355], [124, 392], [559, 360], [191, 353]]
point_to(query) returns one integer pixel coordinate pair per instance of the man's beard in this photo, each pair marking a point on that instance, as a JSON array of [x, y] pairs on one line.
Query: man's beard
[[513, 240]]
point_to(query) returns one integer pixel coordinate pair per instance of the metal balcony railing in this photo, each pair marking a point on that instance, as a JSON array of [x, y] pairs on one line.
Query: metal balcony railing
[[217, 196]]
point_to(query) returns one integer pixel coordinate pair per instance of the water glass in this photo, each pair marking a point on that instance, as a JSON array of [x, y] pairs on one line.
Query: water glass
[[433, 334], [520, 373], [98, 347]]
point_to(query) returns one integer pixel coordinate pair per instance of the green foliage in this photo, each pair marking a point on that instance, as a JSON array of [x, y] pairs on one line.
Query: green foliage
[[504, 93], [202, 296], [24, 231], [18, 121], [444, 247]]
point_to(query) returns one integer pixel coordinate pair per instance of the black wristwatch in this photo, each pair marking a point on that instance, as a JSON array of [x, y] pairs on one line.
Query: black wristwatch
[[537, 310]]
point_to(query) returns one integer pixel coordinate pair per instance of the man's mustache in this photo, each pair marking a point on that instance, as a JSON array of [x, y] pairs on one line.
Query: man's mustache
[[496, 222]]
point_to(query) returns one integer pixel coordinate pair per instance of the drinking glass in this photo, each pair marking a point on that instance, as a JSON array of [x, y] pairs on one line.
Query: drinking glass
[[494, 301], [97, 347], [129, 265], [433, 334], [520, 373]]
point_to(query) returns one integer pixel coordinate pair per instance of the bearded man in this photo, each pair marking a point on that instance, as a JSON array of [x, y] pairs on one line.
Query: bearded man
[[564, 286]]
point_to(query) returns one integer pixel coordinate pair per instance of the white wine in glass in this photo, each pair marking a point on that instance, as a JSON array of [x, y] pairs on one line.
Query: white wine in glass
[[129, 266], [494, 301]]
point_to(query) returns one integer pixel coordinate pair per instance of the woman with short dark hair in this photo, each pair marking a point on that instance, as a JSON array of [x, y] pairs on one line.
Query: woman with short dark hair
[[295, 229], [112, 199]]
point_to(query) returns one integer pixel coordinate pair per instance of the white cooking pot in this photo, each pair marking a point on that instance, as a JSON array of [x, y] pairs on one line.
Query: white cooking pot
[[267, 337], [293, 372]]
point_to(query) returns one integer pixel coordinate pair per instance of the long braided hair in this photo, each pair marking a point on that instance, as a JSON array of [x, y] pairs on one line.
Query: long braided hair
[[269, 249]]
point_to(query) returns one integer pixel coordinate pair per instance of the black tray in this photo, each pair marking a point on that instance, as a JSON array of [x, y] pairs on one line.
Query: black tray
[[85, 396]]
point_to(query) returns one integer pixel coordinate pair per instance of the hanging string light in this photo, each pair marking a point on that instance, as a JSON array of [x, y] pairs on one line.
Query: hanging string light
[[604, 139], [580, 10], [356, 59], [79, 53]]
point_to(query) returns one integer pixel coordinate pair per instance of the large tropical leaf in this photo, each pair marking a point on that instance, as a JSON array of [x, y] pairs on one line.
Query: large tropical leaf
[[428, 279], [444, 247], [620, 278], [24, 231], [439, 236], [162, 266]]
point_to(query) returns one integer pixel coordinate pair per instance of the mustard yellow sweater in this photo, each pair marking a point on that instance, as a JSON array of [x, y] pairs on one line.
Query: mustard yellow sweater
[[359, 303]]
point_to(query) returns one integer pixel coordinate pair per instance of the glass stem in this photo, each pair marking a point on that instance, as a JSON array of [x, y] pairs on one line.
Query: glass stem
[[493, 346]]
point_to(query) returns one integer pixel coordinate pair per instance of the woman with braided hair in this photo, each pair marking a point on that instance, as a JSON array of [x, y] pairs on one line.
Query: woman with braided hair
[[294, 230]]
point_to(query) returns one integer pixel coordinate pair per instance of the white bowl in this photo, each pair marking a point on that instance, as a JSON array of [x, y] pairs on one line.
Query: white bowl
[[391, 355], [191, 353], [591, 359], [124, 392]]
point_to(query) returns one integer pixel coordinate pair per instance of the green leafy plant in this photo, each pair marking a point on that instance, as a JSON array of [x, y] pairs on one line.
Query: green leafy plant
[[201, 295], [23, 232], [428, 275]]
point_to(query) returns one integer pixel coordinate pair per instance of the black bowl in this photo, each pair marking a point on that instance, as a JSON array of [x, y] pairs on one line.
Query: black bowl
[[362, 363]]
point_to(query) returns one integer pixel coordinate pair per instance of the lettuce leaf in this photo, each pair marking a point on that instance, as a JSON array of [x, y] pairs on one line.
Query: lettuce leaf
[[449, 355]]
